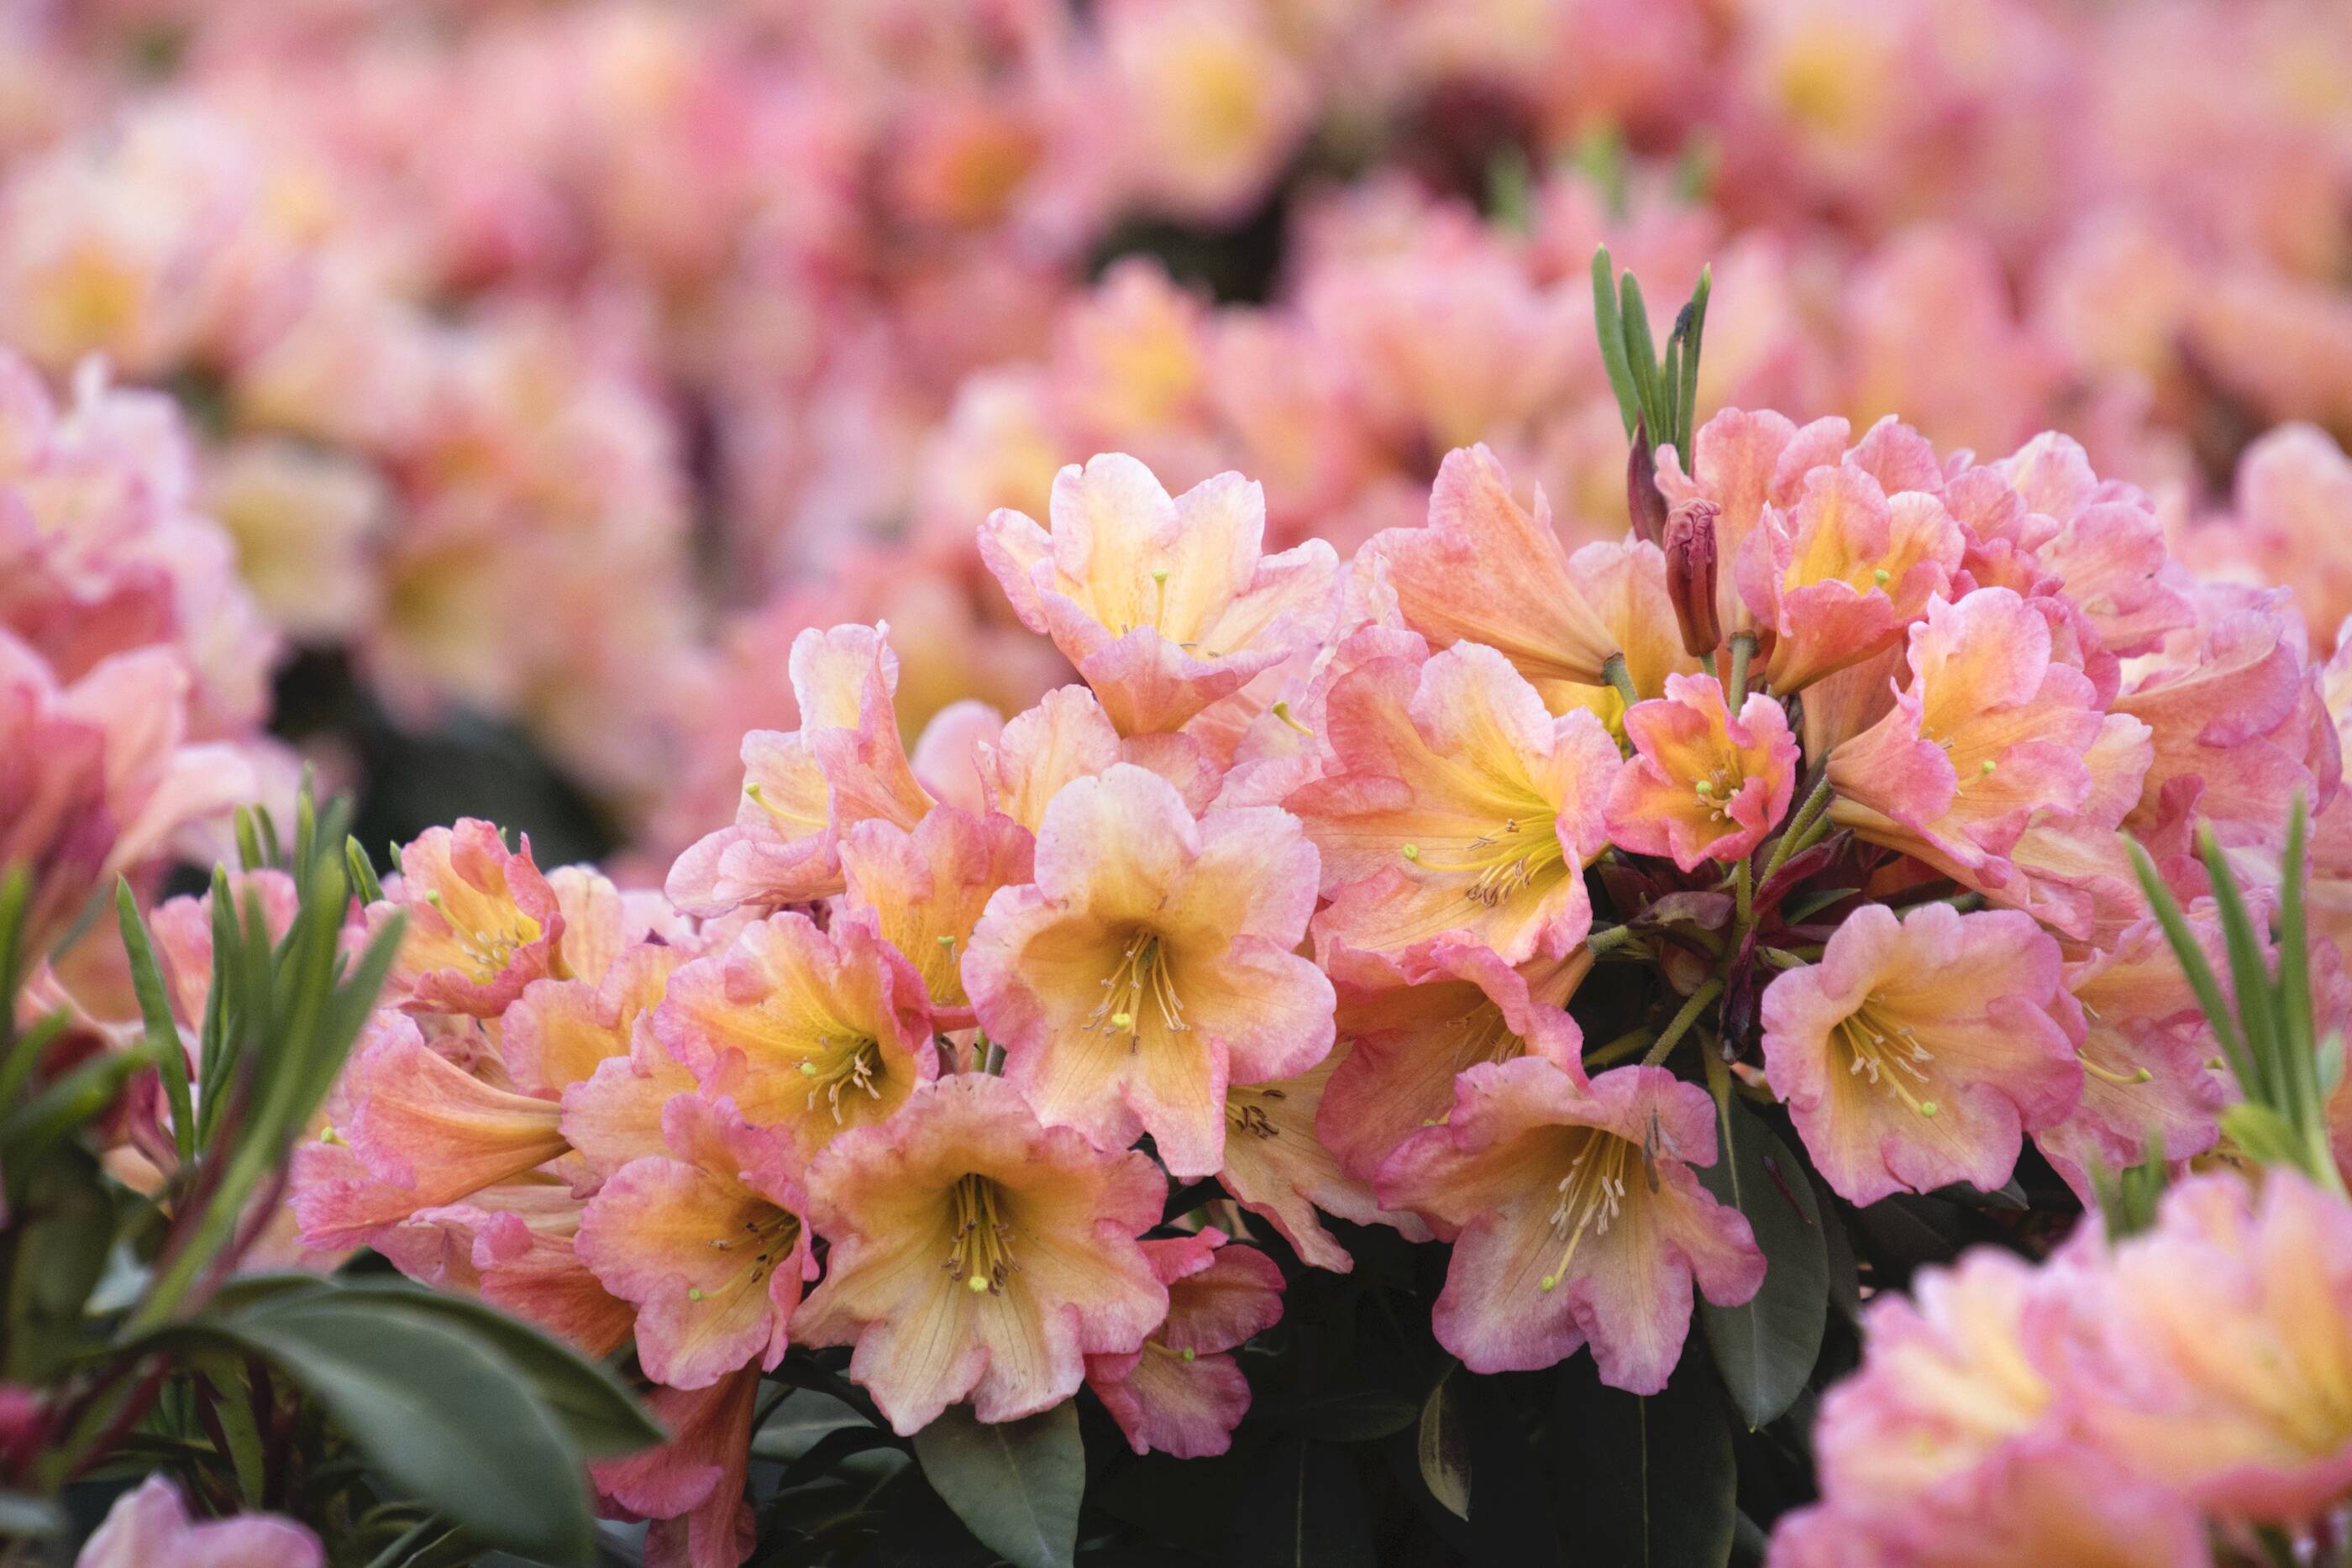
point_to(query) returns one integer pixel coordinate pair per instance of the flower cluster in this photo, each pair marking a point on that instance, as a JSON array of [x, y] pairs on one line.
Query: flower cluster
[[1320, 886]]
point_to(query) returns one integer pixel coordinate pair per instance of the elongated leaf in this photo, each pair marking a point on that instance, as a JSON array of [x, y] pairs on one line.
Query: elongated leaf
[[1654, 1478], [1609, 326], [1303, 1508], [1765, 1347], [598, 1415], [444, 1418], [1015, 1484], [1443, 1449], [155, 1013]]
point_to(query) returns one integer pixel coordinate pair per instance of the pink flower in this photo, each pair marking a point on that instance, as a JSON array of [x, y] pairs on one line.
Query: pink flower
[[1575, 1218], [482, 923], [1278, 1166], [1164, 606], [1702, 785], [149, 1528], [1746, 462], [706, 1240], [692, 1486], [1458, 808], [924, 892], [1151, 963], [1183, 1393], [809, 1032], [1919, 1052], [979, 1255]]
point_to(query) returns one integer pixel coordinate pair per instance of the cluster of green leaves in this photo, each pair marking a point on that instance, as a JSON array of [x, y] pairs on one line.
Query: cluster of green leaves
[[406, 1428], [1657, 398]]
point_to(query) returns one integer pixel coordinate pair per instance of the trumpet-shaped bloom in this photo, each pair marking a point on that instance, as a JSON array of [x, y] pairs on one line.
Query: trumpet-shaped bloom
[[482, 923], [924, 892], [844, 765], [1164, 606], [421, 1133], [1183, 1392], [1839, 577], [149, 1528], [1278, 1167], [979, 1255], [810, 1032], [1575, 1218], [1460, 808], [1410, 1032], [692, 1486], [706, 1240], [558, 1033], [1486, 571], [1991, 731], [1702, 784], [1918, 1052], [513, 1246], [2220, 1359], [1151, 963]]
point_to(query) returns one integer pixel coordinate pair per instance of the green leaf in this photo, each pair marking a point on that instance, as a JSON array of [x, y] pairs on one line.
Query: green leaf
[[155, 1013], [2193, 964], [1443, 1449], [1765, 1347], [1357, 1415], [1015, 1484], [1653, 1477], [598, 1414], [1694, 329], [2250, 981], [1608, 325], [25, 1517], [1305, 1508], [442, 1415], [60, 1233]]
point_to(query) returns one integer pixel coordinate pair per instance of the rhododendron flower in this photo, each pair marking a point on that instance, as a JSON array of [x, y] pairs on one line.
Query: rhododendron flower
[[1183, 1393], [1151, 963], [559, 1032], [421, 1132], [1410, 1032], [979, 1255], [2219, 1347], [924, 892], [481, 922], [1702, 784], [844, 765], [692, 1486], [809, 1031], [1575, 1218], [1745, 462], [1163, 605], [1991, 731], [149, 1527], [1460, 808], [1278, 1166], [513, 1245], [1844, 572], [1920, 1050], [1486, 571], [706, 1240]]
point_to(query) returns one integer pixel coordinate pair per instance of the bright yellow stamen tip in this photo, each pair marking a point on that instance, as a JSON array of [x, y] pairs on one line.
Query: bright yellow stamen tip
[[808, 1070], [1122, 1021], [946, 941], [694, 1294], [977, 1284], [1704, 787], [1929, 1107], [1188, 1355], [1550, 1281], [1986, 766], [1881, 575], [1159, 575], [1413, 851]]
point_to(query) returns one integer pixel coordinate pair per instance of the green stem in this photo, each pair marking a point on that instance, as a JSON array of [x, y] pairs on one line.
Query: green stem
[[1743, 648], [1682, 1022], [1612, 670], [1743, 888], [1815, 808], [1617, 1049]]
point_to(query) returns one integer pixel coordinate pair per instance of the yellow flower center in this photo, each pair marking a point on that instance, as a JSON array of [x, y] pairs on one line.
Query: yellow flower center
[[1501, 863], [852, 1065], [1143, 978], [980, 1252], [1892, 1057], [1246, 1111], [1591, 1194], [768, 1240], [489, 950]]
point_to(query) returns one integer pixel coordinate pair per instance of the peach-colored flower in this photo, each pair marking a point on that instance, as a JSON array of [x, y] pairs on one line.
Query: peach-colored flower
[[1151, 963], [1575, 1218], [1991, 732], [1746, 462], [1278, 1168], [844, 765], [707, 1240], [559, 1032], [1919, 1052], [979, 1255], [149, 1528], [1839, 577], [1458, 806], [924, 892], [2220, 1353], [1164, 606], [692, 1486], [1486, 571], [1411, 1030], [513, 1245], [810, 1032], [1183, 1392], [482, 923], [1702, 784]]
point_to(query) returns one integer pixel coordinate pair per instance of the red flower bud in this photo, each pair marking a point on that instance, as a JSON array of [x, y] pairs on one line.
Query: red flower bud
[[1690, 574], [1643, 502]]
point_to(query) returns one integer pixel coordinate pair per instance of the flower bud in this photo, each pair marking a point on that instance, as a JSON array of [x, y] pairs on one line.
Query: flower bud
[[1643, 502], [1690, 574]]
